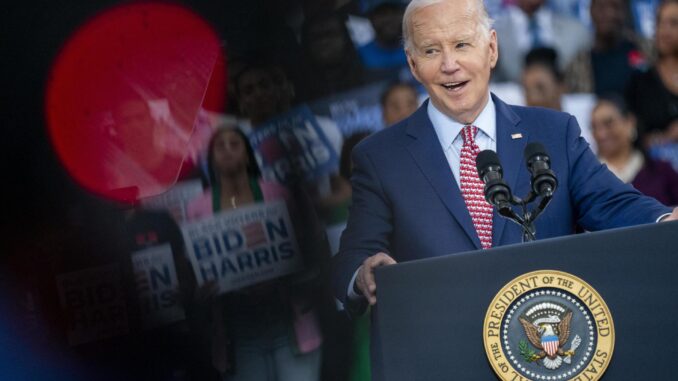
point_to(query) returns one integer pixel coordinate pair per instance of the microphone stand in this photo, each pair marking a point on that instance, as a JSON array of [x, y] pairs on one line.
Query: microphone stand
[[526, 221], [497, 192]]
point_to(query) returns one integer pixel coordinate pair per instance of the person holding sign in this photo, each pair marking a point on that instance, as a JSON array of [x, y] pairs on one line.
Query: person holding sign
[[250, 328]]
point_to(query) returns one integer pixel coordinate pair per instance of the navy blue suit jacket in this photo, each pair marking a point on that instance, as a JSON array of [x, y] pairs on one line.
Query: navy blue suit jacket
[[407, 203]]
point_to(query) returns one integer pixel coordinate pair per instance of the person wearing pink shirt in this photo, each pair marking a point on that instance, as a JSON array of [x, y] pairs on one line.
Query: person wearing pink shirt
[[269, 329]]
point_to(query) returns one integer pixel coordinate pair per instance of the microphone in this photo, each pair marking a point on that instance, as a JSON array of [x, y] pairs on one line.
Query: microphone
[[496, 190], [544, 182]]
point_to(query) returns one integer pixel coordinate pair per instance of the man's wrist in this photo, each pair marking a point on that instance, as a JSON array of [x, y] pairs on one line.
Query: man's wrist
[[354, 293], [663, 216], [356, 289]]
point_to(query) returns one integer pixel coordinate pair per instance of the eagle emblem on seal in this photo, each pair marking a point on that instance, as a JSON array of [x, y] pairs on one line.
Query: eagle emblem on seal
[[547, 327]]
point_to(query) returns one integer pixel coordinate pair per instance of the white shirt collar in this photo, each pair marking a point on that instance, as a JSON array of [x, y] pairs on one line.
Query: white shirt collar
[[448, 129]]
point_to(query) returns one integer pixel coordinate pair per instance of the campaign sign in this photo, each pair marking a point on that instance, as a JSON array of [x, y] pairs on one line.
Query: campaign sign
[[175, 200], [157, 285], [355, 110], [243, 247], [293, 143], [94, 304]]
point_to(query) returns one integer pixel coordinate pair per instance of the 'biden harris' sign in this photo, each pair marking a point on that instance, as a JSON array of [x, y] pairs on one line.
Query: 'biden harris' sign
[[156, 283], [294, 144], [243, 247], [94, 303]]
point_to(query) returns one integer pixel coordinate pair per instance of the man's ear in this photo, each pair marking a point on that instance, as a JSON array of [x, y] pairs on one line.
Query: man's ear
[[494, 49], [411, 63]]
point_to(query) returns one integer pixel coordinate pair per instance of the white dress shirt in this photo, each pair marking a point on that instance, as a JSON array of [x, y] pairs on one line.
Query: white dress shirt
[[448, 132]]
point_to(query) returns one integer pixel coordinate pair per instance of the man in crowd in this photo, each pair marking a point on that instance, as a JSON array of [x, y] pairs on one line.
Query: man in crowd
[[530, 24], [416, 192], [616, 53], [384, 52]]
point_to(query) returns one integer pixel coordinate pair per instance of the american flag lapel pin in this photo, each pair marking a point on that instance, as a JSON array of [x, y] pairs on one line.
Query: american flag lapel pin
[[516, 136]]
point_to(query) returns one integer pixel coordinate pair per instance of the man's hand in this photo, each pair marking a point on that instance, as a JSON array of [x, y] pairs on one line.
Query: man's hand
[[672, 217], [365, 279]]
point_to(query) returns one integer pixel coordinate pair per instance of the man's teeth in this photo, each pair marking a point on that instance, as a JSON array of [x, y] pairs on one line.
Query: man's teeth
[[452, 85]]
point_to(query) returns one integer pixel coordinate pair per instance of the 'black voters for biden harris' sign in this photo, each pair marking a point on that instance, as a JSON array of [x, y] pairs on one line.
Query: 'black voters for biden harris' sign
[[243, 247]]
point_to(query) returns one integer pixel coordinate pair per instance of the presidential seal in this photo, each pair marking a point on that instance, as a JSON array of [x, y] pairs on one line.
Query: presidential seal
[[548, 325]]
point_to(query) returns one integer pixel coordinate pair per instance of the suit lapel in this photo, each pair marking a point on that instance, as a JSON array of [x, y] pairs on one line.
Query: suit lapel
[[511, 142], [428, 154]]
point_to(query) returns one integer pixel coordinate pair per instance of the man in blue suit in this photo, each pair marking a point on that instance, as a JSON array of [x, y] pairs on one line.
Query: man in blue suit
[[408, 179]]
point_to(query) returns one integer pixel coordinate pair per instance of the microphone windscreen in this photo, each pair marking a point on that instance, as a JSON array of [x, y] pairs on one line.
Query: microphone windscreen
[[533, 149], [486, 158]]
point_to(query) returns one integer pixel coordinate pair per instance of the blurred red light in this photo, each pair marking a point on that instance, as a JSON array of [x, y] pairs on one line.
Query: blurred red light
[[124, 93]]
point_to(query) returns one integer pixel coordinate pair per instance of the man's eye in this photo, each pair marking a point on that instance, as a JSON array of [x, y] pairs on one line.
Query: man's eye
[[462, 45], [430, 51]]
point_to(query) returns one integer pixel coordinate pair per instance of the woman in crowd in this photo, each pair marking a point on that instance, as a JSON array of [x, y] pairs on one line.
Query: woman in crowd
[[267, 331], [653, 95], [542, 80], [614, 130], [398, 101]]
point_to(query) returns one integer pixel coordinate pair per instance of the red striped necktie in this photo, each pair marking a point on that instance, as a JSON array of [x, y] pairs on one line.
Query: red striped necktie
[[472, 188]]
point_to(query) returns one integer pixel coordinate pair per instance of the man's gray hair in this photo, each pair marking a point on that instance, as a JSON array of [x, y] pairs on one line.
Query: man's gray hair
[[484, 20]]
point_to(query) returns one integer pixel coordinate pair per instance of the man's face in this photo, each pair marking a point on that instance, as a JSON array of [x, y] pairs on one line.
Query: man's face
[[326, 42], [608, 16], [259, 95], [387, 24], [134, 125], [451, 58]]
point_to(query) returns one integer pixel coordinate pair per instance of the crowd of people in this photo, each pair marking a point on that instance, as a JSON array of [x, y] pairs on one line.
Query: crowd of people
[[287, 135]]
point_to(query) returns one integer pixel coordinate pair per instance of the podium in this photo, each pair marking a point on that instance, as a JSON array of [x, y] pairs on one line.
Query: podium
[[431, 314]]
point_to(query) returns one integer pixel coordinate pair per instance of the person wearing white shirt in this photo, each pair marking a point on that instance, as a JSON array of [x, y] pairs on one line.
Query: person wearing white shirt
[[530, 24]]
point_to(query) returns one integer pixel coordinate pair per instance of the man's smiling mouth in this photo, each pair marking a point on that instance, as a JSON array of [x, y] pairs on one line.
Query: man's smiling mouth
[[454, 86]]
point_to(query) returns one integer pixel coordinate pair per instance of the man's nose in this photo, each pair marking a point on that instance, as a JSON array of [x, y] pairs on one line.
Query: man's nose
[[449, 62]]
